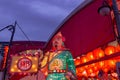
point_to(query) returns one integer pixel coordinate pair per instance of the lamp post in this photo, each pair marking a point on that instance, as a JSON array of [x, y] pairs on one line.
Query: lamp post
[[105, 9], [12, 29]]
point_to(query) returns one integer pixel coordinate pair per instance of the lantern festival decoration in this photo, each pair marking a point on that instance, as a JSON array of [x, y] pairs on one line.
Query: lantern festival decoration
[[24, 64], [101, 64], [98, 53], [84, 59], [109, 50], [90, 56], [111, 63], [89, 71], [77, 61]]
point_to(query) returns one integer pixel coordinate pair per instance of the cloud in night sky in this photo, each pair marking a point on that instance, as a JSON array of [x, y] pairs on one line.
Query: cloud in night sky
[[38, 18]]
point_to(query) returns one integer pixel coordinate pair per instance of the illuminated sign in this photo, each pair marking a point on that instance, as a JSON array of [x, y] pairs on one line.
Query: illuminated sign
[[24, 64], [28, 64]]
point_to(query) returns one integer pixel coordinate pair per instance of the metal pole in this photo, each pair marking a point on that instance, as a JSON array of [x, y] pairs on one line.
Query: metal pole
[[117, 17], [5, 28], [11, 39]]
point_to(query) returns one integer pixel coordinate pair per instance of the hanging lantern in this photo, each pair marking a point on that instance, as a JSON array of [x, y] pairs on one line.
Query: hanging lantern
[[109, 50], [111, 63], [89, 71], [98, 53], [90, 56], [84, 59], [77, 71], [84, 73], [95, 68], [105, 69], [80, 70], [100, 64], [77, 62]]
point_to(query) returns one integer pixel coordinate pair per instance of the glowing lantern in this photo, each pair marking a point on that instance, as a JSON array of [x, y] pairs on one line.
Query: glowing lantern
[[98, 53], [111, 63], [84, 59], [81, 69], [90, 56], [105, 69], [6, 49], [84, 73], [101, 64], [77, 62], [95, 68], [78, 72], [109, 50], [89, 71]]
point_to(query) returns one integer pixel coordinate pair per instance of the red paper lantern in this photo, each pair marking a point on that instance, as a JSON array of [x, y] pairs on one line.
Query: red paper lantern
[[101, 64], [98, 53], [84, 59], [95, 68], [105, 69], [77, 62], [89, 71], [110, 50], [90, 56], [81, 69], [111, 63]]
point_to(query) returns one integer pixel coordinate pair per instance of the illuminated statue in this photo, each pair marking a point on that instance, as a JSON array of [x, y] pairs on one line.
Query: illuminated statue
[[59, 61]]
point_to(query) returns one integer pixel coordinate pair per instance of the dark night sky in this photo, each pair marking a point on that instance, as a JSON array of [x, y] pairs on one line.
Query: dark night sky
[[38, 18]]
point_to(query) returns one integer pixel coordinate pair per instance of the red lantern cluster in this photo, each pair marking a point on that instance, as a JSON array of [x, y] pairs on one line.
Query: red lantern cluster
[[95, 67]]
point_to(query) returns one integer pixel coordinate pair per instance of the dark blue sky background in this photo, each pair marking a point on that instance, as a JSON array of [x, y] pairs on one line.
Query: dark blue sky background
[[38, 18]]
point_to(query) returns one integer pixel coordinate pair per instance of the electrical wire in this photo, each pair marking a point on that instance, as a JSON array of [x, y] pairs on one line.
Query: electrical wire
[[24, 33]]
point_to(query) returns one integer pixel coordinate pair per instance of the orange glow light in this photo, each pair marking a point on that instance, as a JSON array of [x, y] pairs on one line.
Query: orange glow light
[[77, 62], [101, 64], [109, 50], [98, 53], [90, 56], [84, 59]]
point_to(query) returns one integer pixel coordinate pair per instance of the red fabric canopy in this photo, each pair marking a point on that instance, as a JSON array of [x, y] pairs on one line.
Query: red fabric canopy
[[86, 29]]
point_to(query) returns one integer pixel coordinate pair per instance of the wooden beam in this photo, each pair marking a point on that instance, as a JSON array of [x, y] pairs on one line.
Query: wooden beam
[[100, 59]]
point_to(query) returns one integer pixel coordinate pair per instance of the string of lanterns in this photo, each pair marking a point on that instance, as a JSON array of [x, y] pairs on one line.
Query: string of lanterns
[[93, 69]]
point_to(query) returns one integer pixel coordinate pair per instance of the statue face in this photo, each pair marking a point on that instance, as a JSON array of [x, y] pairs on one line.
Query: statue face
[[57, 42]]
